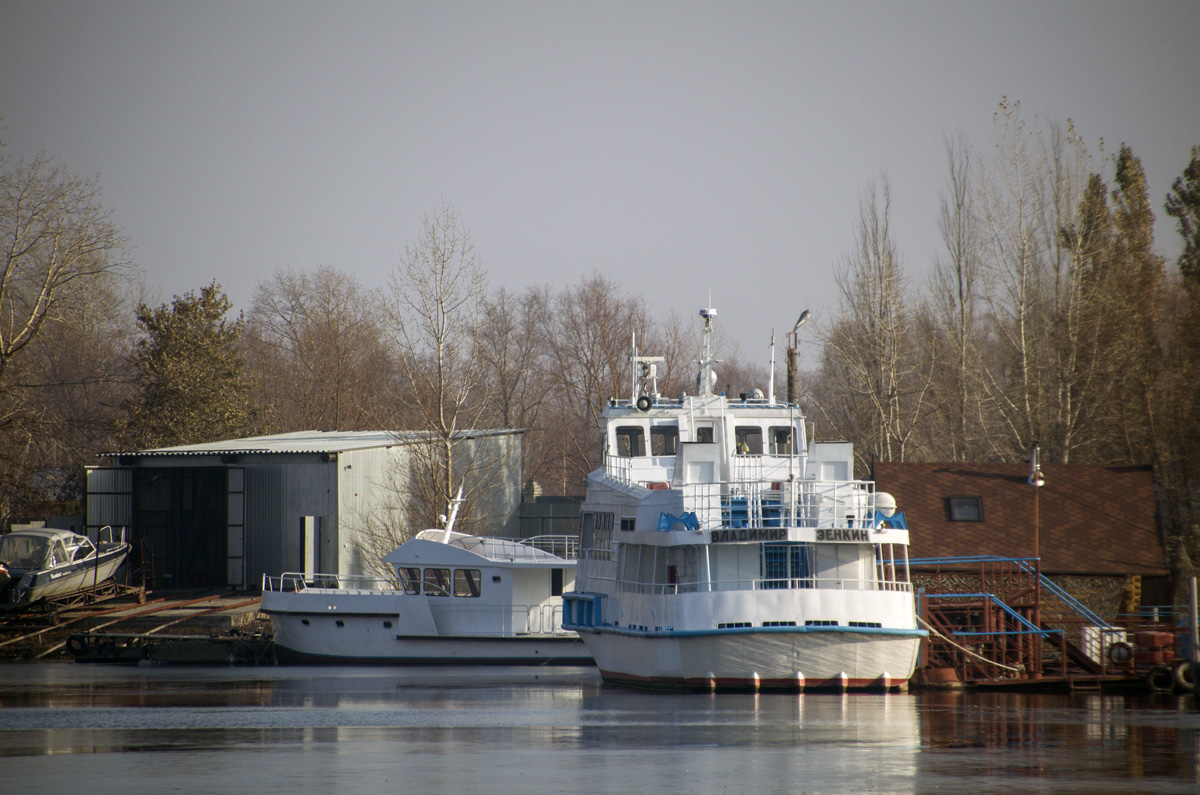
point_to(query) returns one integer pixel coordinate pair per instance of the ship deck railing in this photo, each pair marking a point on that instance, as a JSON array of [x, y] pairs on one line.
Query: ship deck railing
[[763, 498], [757, 584], [292, 581], [565, 547]]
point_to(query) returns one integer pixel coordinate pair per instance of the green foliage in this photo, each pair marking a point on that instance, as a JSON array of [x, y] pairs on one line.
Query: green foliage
[[1183, 204], [191, 372]]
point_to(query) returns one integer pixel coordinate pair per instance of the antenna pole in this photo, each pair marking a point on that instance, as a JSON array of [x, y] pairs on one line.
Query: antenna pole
[[771, 379]]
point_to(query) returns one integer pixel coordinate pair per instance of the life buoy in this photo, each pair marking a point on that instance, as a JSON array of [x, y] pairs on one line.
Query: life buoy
[[1120, 653], [1161, 679], [1183, 676], [75, 644], [644, 403]]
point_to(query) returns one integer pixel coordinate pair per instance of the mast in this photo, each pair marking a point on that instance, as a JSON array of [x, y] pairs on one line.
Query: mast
[[707, 377]]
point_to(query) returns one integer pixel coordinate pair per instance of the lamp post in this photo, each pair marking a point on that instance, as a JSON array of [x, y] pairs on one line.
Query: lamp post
[[793, 343], [1037, 480]]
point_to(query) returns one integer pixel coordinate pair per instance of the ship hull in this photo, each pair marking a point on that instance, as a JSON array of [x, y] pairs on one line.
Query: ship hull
[[381, 628], [775, 659]]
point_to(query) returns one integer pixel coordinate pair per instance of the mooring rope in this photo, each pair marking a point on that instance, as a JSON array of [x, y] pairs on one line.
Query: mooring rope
[[1017, 669]]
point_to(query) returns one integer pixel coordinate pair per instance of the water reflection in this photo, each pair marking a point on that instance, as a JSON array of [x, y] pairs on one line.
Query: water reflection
[[522, 730], [1081, 742]]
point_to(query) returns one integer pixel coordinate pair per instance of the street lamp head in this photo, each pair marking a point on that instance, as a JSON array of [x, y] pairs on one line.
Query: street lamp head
[[803, 319]]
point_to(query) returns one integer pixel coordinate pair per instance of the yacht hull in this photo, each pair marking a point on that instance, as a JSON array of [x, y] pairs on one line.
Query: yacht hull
[[382, 628], [67, 579]]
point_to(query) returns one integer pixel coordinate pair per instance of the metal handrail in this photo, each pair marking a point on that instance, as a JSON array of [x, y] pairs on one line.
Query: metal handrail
[[757, 584], [1025, 565]]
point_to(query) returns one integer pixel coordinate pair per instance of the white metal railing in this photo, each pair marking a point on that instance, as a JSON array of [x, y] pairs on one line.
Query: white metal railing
[[757, 584], [640, 470], [765, 492], [766, 503], [350, 583], [565, 547]]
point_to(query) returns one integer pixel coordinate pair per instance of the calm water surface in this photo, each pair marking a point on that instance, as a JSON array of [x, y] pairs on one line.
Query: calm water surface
[[99, 729]]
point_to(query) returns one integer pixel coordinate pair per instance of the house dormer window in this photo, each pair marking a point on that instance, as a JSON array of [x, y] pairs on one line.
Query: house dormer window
[[965, 509]]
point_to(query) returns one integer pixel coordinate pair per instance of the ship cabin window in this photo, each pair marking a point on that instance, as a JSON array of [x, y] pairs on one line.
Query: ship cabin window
[[466, 582], [787, 565], [663, 439], [556, 582], [437, 582], [631, 441], [965, 509], [749, 439], [704, 434], [781, 440], [410, 579], [628, 523]]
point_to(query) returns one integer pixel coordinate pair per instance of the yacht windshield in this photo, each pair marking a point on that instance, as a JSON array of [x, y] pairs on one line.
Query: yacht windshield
[[24, 552]]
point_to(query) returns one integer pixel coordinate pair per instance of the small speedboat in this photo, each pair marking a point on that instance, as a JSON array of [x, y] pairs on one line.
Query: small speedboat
[[46, 562]]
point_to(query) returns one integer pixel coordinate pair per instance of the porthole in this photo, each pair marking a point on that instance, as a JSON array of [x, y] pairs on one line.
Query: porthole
[[304, 621], [341, 623], [387, 624]]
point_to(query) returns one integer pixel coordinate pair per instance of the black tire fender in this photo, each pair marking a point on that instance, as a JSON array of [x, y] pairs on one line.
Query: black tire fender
[[75, 644], [1183, 676], [1161, 679]]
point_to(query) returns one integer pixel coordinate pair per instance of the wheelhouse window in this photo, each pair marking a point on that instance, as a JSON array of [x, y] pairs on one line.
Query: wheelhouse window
[[781, 440], [749, 439], [410, 580], [437, 582], [704, 434], [965, 509], [466, 582], [631, 441], [663, 439]]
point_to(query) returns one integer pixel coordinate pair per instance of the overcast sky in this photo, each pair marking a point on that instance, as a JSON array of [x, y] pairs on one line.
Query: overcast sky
[[678, 148]]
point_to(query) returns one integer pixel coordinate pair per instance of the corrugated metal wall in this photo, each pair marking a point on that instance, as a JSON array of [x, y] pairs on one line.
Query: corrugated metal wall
[[269, 496], [263, 523], [109, 497]]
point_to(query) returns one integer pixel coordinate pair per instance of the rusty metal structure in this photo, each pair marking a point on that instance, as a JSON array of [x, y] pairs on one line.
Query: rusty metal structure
[[996, 621]]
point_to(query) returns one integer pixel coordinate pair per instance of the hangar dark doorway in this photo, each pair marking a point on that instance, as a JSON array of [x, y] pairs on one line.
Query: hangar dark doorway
[[180, 514]]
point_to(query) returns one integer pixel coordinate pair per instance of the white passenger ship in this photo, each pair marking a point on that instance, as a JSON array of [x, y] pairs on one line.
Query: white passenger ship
[[455, 599], [720, 551]]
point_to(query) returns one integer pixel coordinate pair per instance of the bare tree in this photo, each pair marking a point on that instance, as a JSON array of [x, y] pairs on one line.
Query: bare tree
[[590, 333], [438, 291], [514, 351], [1039, 261], [316, 342], [60, 250], [873, 391], [959, 425]]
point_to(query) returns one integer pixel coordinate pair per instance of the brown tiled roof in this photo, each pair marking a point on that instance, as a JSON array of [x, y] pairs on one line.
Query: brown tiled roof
[[1090, 519]]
